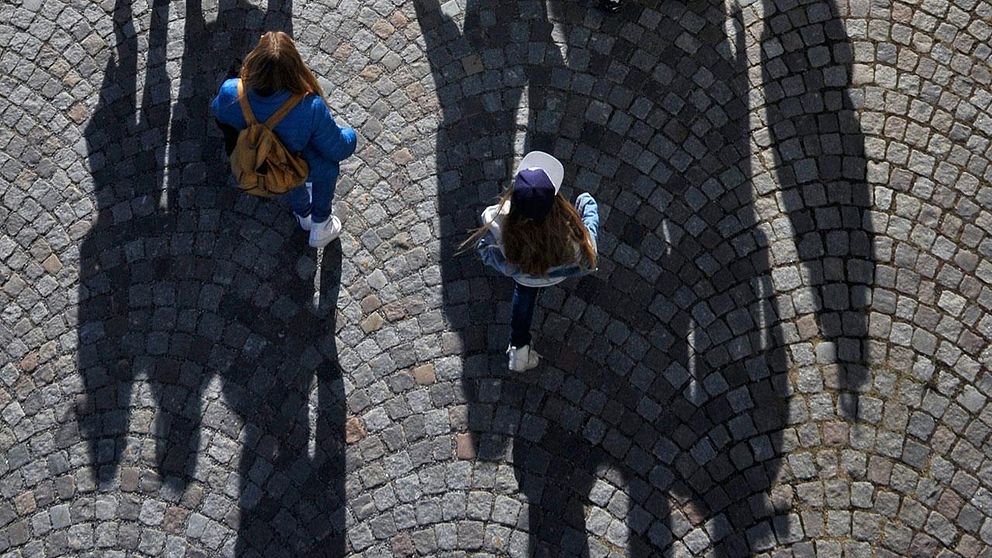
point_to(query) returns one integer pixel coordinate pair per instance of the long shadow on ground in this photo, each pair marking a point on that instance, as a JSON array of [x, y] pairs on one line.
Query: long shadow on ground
[[666, 371], [183, 280]]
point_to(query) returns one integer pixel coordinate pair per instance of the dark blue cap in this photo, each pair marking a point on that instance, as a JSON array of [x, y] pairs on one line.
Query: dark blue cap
[[533, 194]]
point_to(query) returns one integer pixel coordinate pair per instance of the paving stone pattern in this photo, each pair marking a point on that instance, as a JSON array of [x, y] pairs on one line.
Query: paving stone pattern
[[785, 350]]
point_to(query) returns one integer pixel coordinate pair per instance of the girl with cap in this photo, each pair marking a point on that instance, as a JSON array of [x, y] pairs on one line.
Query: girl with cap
[[272, 73], [534, 236]]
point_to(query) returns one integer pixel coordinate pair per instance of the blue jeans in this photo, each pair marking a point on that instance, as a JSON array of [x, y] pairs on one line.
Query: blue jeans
[[319, 207], [522, 314]]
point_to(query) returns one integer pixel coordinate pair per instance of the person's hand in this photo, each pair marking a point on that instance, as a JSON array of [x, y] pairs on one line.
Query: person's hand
[[583, 199], [484, 242]]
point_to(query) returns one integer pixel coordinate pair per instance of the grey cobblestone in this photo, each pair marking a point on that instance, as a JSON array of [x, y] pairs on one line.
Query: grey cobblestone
[[784, 351]]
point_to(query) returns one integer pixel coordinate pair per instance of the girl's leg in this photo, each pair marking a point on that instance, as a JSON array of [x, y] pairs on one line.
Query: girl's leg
[[323, 191], [522, 314], [299, 200]]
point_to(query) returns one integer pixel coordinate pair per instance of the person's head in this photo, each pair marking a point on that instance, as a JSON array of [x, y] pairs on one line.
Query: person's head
[[542, 229], [275, 65]]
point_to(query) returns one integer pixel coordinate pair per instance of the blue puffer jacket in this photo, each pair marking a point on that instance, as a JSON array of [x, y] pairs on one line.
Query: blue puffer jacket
[[490, 246], [309, 129]]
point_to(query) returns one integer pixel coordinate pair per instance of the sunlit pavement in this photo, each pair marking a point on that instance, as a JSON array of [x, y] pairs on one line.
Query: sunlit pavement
[[785, 350]]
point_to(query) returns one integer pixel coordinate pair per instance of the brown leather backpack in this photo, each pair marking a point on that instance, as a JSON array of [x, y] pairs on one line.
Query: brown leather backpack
[[260, 162]]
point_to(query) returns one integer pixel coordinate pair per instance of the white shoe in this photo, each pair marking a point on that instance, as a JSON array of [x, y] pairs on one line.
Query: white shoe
[[522, 358], [321, 234], [305, 222]]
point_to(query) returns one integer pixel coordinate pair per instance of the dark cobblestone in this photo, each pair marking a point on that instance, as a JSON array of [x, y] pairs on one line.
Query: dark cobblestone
[[785, 351]]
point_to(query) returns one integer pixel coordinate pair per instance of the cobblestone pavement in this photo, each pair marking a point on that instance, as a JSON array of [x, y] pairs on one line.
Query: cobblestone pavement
[[785, 351]]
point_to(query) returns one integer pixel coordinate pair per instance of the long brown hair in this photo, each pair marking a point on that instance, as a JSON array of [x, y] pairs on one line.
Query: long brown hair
[[275, 65], [537, 246]]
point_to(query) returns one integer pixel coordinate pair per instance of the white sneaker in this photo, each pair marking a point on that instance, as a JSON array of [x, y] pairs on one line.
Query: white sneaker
[[305, 222], [522, 358], [321, 234]]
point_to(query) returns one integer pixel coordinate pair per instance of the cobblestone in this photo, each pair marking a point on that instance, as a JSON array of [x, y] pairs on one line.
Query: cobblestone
[[784, 352]]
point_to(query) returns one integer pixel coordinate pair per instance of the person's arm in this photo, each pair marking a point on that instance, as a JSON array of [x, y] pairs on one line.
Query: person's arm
[[491, 254], [330, 140], [226, 98], [227, 128], [589, 211]]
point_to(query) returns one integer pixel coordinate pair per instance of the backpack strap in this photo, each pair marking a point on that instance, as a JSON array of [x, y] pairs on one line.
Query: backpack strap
[[281, 113], [245, 107]]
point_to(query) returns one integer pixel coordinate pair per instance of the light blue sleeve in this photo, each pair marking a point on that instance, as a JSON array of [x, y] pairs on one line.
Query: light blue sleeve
[[589, 211], [491, 254]]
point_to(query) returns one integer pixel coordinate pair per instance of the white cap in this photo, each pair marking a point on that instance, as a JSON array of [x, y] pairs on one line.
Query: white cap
[[541, 160]]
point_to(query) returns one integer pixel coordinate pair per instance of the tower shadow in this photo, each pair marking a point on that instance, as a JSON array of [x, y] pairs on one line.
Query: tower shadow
[[668, 366]]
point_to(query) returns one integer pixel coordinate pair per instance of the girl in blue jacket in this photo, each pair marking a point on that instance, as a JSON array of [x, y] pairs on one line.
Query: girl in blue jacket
[[534, 236], [271, 73]]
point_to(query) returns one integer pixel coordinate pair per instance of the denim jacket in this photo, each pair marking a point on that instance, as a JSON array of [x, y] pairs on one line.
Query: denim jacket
[[490, 246]]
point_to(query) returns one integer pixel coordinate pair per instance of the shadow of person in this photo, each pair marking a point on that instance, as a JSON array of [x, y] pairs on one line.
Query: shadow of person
[[492, 80], [198, 196], [284, 382], [820, 165], [156, 261], [666, 372], [669, 364], [184, 279], [125, 250]]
